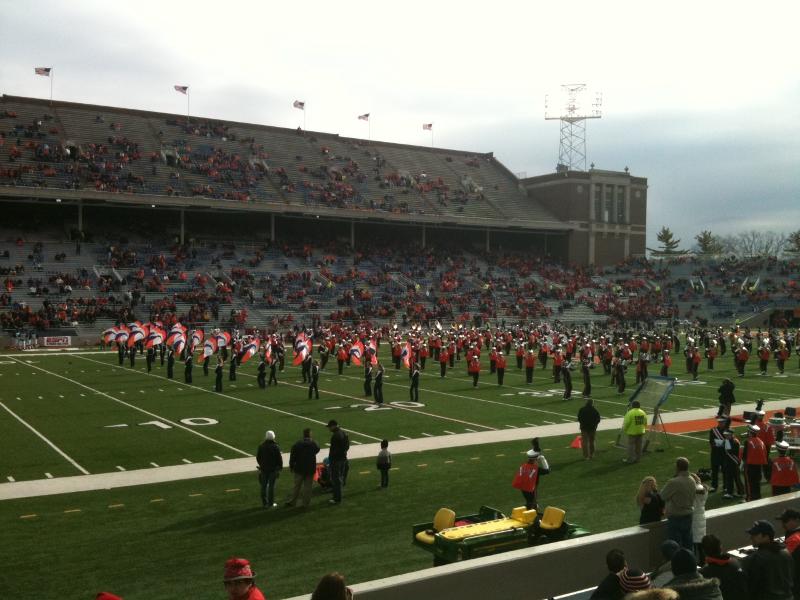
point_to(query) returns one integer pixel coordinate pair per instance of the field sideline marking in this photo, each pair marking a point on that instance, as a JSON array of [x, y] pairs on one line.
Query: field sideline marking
[[242, 400], [173, 423], [45, 440]]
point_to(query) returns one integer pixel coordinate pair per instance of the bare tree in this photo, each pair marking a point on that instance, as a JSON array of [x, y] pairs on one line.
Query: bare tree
[[755, 243]]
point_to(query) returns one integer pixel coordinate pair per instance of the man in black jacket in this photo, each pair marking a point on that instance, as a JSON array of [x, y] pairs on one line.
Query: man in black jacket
[[588, 419], [770, 569], [270, 463], [725, 568], [303, 465], [340, 444]]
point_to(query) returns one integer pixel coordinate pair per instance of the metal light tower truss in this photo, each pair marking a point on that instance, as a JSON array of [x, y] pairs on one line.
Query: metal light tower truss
[[573, 115]]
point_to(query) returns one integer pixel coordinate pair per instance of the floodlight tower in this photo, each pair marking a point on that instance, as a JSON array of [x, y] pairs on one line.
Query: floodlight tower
[[573, 115]]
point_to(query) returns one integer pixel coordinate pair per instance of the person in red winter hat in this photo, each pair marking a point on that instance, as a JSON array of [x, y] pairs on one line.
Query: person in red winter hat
[[239, 580]]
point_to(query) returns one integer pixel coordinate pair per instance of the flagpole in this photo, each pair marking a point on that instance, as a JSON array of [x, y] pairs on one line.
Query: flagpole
[[304, 117], [52, 77], [187, 105], [369, 129]]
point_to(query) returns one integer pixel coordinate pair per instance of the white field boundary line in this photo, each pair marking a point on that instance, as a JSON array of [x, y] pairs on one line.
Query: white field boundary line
[[242, 400], [496, 402], [141, 410], [45, 440]]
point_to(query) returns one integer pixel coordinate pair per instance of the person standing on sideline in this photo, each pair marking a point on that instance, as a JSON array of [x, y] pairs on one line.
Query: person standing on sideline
[[678, 495], [239, 580], [378, 391], [270, 464], [634, 425], [340, 444], [754, 456], [588, 419], [413, 391], [716, 441], [313, 380], [303, 465], [770, 569], [649, 501], [526, 479], [218, 373], [783, 475], [187, 368], [384, 462]]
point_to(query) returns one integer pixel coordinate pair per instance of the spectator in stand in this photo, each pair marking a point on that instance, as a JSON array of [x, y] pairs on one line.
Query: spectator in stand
[[790, 519], [239, 580], [655, 593], [688, 582], [678, 495], [303, 465], [270, 465], [332, 587], [610, 588], [725, 568], [649, 501], [632, 579], [663, 573], [770, 569], [588, 419]]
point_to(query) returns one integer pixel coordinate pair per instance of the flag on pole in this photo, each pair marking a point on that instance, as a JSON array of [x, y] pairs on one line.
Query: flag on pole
[[44, 71], [299, 104], [364, 117], [427, 126], [183, 89]]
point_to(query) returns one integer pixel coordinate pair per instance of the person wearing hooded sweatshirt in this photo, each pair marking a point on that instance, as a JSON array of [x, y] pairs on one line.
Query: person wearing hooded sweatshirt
[[270, 463], [688, 582], [770, 569], [722, 566]]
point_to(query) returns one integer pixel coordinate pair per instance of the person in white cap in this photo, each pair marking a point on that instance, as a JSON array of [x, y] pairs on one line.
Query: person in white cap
[[526, 479], [783, 474], [270, 464]]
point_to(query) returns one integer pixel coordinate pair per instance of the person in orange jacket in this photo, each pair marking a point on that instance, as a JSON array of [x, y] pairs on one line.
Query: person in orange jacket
[[526, 480], [754, 458], [784, 471], [500, 366]]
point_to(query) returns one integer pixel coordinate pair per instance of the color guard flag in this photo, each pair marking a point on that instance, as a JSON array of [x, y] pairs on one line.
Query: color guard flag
[[44, 71], [427, 126], [356, 352], [364, 117], [181, 88], [299, 104], [405, 355], [249, 351]]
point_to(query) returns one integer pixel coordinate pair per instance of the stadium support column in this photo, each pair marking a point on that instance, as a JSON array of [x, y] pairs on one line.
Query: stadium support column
[[272, 227], [183, 226], [488, 240], [423, 236], [352, 235], [80, 216]]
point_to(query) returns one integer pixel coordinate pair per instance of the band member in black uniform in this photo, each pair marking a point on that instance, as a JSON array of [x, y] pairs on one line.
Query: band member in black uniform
[[324, 354], [368, 380], [587, 378], [187, 369], [273, 367], [413, 391], [232, 368], [313, 378], [120, 353], [378, 391], [206, 360], [132, 355], [170, 365], [262, 373], [218, 371], [566, 375]]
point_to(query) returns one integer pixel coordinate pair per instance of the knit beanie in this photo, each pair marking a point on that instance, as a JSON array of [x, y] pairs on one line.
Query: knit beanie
[[684, 562], [632, 579]]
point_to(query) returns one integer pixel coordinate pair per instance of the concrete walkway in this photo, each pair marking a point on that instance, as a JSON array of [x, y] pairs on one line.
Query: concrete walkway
[[103, 481]]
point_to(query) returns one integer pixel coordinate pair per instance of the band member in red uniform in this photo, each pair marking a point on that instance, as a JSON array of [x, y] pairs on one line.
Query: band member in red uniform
[[711, 354], [755, 458], [741, 356], [423, 354], [493, 361], [696, 360], [443, 356], [501, 367], [666, 363], [781, 356], [526, 479], [530, 364], [784, 471], [763, 359], [341, 356], [474, 369], [558, 361], [520, 355]]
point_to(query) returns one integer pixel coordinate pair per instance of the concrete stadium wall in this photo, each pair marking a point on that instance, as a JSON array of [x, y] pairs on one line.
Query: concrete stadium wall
[[563, 567]]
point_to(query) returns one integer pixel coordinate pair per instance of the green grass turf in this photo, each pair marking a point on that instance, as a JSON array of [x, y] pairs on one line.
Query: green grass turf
[[72, 399], [170, 540]]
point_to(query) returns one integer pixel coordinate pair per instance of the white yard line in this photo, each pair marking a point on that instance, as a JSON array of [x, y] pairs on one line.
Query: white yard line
[[141, 410], [45, 440]]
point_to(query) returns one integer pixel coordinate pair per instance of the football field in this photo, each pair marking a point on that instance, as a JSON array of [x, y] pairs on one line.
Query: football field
[[79, 413]]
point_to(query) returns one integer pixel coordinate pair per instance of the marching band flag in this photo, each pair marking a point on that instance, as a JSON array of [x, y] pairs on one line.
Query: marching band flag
[[178, 345], [109, 335], [197, 339], [223, 339], [356, 352], [405, 355], [299, 104], [372, 351], [302, 349], [249, 351], [209, 347], [155, 338], [364, 117], [427, 126], [183, 89], [44, 71]]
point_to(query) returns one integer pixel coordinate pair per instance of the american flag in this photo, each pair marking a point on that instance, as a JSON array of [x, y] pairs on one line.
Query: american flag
[[427, 126], [45, 71], [181, 88], [364, 117], [299, 104]]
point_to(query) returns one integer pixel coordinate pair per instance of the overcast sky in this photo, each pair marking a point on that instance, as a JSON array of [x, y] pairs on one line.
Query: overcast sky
[[702, 98]]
